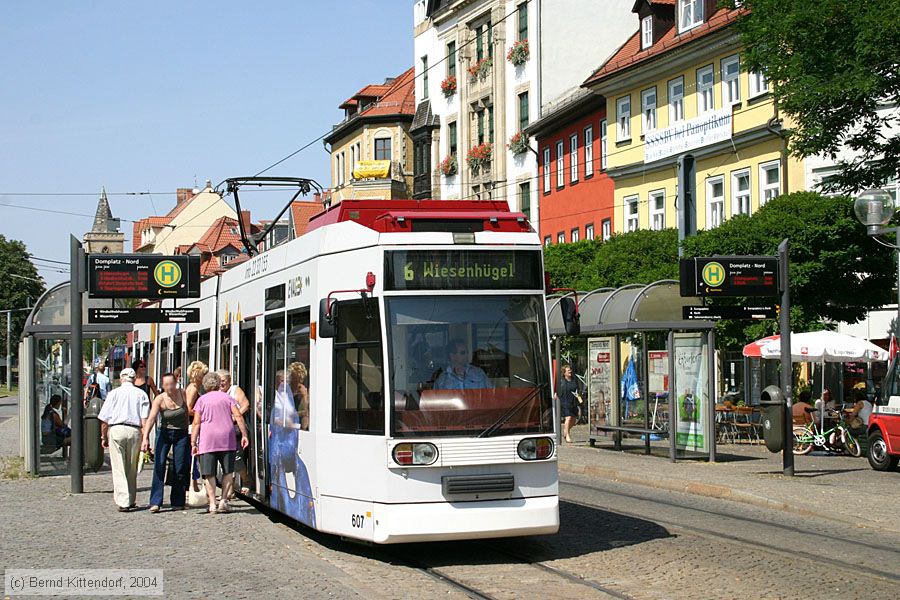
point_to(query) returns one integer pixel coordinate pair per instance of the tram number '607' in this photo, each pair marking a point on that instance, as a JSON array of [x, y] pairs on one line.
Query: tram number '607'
[[357, 520]]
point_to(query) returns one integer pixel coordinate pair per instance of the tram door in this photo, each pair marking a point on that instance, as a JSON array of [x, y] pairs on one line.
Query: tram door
[[273, 382], [245, 368]]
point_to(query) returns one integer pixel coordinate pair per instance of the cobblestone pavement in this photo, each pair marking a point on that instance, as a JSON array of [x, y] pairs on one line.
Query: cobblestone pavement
[[749, 474], [617, 539]]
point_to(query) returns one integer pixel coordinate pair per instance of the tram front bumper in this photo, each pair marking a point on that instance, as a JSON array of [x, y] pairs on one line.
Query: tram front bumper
[[436, 521]]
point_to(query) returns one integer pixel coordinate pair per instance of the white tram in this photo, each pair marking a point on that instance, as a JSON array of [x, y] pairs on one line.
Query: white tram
[[398, 359]]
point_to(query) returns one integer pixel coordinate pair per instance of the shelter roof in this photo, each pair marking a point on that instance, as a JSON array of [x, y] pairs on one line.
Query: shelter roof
[[635, 307]]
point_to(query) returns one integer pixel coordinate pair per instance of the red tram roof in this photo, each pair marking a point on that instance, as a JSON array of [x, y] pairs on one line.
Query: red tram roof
[[390, 216]]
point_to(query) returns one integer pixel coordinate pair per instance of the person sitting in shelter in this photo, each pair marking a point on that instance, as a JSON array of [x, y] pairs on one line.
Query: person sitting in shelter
[[460, 374], [54, 433], [858, 415]]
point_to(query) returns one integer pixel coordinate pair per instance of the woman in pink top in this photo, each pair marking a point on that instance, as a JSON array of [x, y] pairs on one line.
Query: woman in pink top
[[213, 441]]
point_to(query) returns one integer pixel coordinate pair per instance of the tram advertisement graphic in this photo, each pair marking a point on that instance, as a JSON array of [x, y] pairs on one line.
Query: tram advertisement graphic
[[463, 270], [143, 276], [690, 392], [600, 382]]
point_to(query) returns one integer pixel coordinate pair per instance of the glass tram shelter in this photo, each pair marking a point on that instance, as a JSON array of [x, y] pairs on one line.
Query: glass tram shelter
[[644, 362], [45, 372]]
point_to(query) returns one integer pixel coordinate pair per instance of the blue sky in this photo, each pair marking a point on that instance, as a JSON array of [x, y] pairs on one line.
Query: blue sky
[[158, 95]]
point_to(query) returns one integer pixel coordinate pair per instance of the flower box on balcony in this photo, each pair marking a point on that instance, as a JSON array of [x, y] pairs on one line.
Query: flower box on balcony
[[518, 54], [448, 86], [480, 69], [479, 155], [449, 166], [518, 143]]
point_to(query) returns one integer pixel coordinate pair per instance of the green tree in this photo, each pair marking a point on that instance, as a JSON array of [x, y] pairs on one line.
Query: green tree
[[17, 292], [832, 64], [641, 256], [837, 272]]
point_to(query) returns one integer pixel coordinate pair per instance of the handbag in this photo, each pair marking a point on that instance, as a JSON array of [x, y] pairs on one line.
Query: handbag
[[196, 498], [578, 397]]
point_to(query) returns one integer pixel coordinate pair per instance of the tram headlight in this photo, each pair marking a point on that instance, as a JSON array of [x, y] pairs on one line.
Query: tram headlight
[[418, 454], [535, 448]]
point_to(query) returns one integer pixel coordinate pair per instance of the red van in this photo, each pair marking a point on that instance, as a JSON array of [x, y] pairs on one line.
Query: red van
[[884, 423]]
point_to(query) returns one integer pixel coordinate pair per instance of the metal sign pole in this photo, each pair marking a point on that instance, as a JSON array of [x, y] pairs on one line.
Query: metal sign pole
[[76, 394], [786, 364], [673, 414]]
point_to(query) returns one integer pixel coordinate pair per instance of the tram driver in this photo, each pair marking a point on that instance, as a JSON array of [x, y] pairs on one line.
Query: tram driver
[[460, 374]]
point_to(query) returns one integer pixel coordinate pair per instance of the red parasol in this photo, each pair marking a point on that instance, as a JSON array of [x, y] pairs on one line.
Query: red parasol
[[753, 349]]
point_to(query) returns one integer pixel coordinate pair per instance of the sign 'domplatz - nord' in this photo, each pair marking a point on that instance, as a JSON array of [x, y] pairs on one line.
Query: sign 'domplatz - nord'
[[729, 276], [143, 276]]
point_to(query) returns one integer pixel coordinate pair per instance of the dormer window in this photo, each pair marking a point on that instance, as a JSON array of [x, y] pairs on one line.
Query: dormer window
[[646, 32], [690, 14]]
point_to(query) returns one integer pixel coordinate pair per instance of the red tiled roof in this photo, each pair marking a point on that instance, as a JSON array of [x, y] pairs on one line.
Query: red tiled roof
[[301, 213], [397, 99], [135, 236], [222, 233], [631, 54]]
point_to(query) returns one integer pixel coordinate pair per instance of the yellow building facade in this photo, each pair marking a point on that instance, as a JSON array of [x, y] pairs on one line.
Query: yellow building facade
[[673, 92]]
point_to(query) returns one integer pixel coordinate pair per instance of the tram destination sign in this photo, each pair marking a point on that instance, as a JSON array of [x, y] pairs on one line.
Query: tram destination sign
[[143, 276], [729, 276], [143, 315], [463, 270], [714, 313]]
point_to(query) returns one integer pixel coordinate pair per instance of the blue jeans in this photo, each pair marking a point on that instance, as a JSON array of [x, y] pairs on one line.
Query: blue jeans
[[180, 442]]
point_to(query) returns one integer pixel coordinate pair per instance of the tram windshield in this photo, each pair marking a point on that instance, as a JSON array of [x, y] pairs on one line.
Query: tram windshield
[[468, 366]]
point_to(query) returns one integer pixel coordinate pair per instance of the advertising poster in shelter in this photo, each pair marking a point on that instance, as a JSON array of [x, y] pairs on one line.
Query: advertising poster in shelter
[[691, 392], [601, 357]]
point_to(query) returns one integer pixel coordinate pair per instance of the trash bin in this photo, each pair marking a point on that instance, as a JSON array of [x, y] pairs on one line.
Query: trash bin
[[772, 406], [93, 449]]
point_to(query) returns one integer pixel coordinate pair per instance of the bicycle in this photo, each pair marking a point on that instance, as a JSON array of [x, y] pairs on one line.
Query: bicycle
[[836, 439]]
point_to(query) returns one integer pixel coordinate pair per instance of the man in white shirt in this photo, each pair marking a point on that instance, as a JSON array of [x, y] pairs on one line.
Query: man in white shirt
[[121, 419]]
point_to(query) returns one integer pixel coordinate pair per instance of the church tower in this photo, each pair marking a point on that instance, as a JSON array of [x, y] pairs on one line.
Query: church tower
[[104, 237]]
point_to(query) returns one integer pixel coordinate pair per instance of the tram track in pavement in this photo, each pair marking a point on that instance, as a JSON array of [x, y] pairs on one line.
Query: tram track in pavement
[[853, 568]]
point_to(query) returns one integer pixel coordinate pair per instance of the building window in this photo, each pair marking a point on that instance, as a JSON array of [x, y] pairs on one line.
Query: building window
[[560, 173], [575, 235], [479, 42], [484, 43], [451, 138], [758, 84], [547, 170], [561, 237], [573, 158], [352, 160], [382, 148], [451, 59], [523, 111], [424, 77], [339, 166], [606, 229], [657, 210], [490, 122], [547, 241], [715, 201], [589, 231], [769, 181], [588, 151], [603, 146], [525, 198], [623, 119], [523, 21], [690, 14], [676, 100], [648, 109], [740, 192], [731, 80], [631, 213], [705, 80], [646, 32]]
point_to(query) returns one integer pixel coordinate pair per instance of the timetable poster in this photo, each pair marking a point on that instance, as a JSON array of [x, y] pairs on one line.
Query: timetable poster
[[600, 382], [691, 392]]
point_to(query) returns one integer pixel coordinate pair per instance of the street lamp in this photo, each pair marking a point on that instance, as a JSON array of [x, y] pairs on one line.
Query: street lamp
[[874, 209]]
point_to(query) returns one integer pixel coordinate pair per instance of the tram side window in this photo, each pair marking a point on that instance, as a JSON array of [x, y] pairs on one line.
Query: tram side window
[[298, 364], [358, 370]]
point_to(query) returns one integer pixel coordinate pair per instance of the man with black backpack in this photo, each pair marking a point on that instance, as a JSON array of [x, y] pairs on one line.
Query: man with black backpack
[[98, 384]]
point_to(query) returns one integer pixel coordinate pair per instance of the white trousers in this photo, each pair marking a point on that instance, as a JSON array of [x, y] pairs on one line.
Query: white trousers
[[124, 450]]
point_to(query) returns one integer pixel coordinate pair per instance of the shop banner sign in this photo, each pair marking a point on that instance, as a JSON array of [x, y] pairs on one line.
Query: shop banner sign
[[601, 394], [691, 392], [684, 136]]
